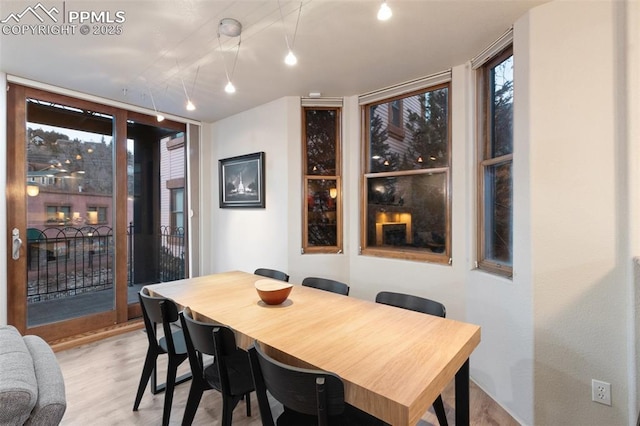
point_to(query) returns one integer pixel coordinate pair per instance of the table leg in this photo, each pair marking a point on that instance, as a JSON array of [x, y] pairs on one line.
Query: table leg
[[462, 395]]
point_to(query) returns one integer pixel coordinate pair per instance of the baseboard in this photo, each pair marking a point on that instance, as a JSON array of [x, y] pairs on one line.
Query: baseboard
[[96, 335]]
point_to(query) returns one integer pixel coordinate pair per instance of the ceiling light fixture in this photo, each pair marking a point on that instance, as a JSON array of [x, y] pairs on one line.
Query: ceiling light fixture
[[384, 13], [159, 116], [290, 59], [189, 106], [231, 28]]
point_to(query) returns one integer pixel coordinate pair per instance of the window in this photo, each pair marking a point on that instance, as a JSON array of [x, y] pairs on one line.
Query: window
[[177, 209], [58, 215], [96, 215], [176, 141], [396, 119], [322, 205], [495, 83], [406, 211]]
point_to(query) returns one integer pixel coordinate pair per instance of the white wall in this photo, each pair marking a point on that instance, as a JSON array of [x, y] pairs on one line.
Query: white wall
[[576, 174], [246, 239]]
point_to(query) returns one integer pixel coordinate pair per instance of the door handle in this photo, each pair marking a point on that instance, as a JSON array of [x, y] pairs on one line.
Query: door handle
[[16, 243]]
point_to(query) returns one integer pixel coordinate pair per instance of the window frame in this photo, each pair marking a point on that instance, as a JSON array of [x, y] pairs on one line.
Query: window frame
[[486, 160], [307, 178], [400, 252]]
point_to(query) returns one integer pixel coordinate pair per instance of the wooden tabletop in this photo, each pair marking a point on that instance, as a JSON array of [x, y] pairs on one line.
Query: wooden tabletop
[[394, 362]]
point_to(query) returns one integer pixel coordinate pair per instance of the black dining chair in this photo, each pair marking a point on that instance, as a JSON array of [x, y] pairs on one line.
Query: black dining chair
[[327, 285], [229, 374], [425, 306], [310, 397], [272, 273], [159, 310]]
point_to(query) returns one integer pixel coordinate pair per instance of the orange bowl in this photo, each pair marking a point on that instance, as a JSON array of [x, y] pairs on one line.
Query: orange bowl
[[273, 292]]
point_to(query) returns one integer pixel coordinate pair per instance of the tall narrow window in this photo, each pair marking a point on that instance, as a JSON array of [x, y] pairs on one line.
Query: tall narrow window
[[406, 210], [322, 202], [495, 80]]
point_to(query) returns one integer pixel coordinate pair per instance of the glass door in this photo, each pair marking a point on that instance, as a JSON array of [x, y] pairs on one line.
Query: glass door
[[70, 212], [95, 209], [62, 214]]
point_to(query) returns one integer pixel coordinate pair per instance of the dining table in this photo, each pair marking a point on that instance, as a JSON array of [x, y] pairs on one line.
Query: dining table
[[393, 362]]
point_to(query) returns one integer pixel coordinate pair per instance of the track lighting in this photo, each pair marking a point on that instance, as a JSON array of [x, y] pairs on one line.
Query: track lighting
[[189, 106], [159, 116], [231, 28], [290, 59]]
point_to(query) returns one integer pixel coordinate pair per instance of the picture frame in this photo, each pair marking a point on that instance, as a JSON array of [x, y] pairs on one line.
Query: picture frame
[[241, 181]]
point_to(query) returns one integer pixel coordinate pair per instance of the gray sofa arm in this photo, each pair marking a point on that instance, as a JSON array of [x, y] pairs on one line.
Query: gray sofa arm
[[18, 386], [51, 403]]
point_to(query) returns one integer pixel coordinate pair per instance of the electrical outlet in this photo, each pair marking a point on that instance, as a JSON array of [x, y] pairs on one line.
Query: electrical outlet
[[601, 392]]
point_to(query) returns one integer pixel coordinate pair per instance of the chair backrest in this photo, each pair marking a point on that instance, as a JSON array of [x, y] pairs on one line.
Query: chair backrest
[[314, 392], [413, 303], [201, 335], [197, 335], [272, 273], [326, 284], [210, 339], [158, 310]]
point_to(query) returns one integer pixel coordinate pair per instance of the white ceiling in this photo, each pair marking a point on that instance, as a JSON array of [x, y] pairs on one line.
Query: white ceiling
[[342, 48]]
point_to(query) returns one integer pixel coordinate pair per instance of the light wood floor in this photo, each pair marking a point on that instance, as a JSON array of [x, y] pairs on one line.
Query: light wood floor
[[101, 380]]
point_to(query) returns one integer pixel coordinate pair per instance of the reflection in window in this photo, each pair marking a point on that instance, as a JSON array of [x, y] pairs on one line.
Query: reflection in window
[[321, 141], [497, 214], [322, 232], [406, 209], [426, 143], [321, 213]]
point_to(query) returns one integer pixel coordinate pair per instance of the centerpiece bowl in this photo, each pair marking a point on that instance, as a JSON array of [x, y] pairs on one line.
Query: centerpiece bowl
[[273, 292]]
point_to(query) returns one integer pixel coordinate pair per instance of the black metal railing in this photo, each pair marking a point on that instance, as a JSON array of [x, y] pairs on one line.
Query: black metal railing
[[67, 261], [172, 249]]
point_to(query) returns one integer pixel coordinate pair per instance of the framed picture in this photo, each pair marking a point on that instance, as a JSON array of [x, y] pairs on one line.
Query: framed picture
[[242, 181]]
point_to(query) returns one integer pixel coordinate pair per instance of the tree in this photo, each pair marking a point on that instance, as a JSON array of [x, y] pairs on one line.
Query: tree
[[321, 142], [429, 132]]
